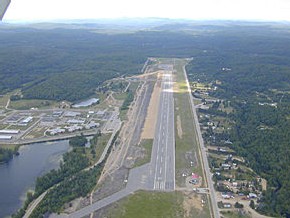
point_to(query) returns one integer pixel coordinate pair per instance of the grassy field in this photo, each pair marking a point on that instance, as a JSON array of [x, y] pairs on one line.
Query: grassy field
[[146, 144], [12, 147], [149, 204], [27, 104], [186, 146], [99, 148], [234, 214]]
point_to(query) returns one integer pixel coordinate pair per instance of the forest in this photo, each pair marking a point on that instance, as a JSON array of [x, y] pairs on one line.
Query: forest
[[249, 63], [253, 74]]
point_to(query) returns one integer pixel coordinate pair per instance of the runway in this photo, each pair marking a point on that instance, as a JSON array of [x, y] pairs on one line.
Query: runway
[[162, 166]]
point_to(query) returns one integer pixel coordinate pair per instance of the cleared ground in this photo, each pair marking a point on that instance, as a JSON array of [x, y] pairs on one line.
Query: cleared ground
[[152, 112]]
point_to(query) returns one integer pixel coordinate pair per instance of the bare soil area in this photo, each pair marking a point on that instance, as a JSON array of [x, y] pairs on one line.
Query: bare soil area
[[179, 128], [191, 201], [152, 112]]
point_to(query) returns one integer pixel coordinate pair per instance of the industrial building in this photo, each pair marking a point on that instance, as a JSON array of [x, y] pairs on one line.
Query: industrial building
[[9, 131], [5, 137]]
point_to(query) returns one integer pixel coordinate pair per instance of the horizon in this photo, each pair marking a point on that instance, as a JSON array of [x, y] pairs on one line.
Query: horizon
[[238, 10]]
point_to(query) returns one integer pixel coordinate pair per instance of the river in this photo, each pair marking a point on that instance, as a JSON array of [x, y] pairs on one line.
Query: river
[[19, 175]]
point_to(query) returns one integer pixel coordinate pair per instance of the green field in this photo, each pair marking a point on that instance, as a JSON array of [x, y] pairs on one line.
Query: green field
[[146, 144], [27, 104], [234, 214], [99, 148], [149, 204], [187, 146]]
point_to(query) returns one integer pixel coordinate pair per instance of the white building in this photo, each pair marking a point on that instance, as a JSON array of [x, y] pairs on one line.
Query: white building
[[9, 131], [5, 137]]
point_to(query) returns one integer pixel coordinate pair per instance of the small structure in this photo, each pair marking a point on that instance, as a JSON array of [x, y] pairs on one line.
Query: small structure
[[92, 125], [226, 166], [71, 114], [56, 131], [25, 121], [57, 113], [74, 128], [227, 205], [101, 113], [75, 121], [252, 195], [227, 195]]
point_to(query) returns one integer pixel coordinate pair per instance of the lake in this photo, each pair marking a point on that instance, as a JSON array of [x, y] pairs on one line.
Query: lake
[[86, 103], [19, 175]]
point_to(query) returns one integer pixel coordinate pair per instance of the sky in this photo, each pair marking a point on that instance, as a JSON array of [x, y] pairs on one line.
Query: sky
[[45, 10]]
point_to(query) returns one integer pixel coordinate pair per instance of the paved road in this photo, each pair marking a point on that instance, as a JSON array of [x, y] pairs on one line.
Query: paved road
[[162, 169], [208, 174]]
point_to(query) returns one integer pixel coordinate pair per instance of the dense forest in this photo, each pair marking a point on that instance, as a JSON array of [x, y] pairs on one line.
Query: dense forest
[[69, 64], [251, 70], [249, 63]]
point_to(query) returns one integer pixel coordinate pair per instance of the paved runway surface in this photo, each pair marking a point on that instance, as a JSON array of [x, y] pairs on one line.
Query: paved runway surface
[[162, 167], [157, 175]]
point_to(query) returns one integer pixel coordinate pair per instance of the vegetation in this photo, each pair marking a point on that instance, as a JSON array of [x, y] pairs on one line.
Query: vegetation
[[144, 204], [253, 76], [79, 141], [78, 186], [186, 152], [249, 65], [69, 171], [129, 98], [7, 154], [146, 145]]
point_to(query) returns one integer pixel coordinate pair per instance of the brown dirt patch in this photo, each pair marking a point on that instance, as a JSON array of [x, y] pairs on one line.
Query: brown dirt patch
[[191, 201], [152, 112], [179, 128], [264, 184]]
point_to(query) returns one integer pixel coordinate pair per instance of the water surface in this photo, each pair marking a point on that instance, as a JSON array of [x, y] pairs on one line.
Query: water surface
[[19, 175]]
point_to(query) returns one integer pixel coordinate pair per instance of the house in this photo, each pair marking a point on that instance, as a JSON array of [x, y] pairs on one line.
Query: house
[[71, 114], [227, 205], [56, 131], [227, 195], [226, 166], [252, 195]]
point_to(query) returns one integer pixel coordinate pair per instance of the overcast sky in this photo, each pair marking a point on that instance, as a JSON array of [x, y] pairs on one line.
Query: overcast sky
[[23, 10]]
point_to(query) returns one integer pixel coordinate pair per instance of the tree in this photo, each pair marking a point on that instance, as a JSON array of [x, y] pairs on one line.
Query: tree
[[78, 141], [252, 204], [238, 205]]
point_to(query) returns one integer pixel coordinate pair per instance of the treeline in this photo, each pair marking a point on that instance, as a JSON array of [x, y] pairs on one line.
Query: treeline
[[78, 186], [73, 163], [67, 64], [129, 98], [252, 71], [72, 180], [78, 141], [261, 135], [7, 154]]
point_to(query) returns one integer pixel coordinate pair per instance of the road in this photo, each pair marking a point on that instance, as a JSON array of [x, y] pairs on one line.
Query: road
[[206, 168], [162, 166]]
